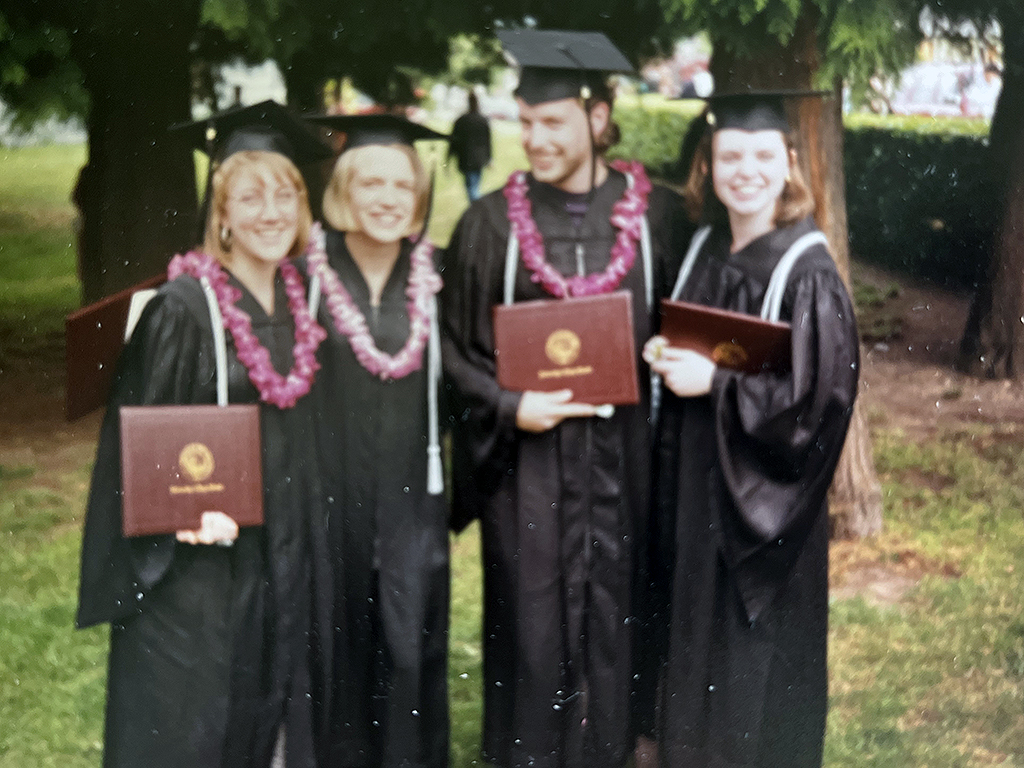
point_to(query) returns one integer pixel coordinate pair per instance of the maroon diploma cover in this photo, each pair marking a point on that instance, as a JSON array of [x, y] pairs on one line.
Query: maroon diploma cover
[[732, 339], [178, 461], [583, 344], [94, 338]]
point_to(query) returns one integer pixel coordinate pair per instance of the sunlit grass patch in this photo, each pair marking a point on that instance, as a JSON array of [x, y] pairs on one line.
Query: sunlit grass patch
[[936, 679]]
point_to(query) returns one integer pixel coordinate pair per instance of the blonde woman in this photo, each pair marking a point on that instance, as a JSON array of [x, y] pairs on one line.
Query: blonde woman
[[210, 645], [387, 515]]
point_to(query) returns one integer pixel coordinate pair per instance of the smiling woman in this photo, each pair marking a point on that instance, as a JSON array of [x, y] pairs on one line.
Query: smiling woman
[[741, 562], [210, 653], [381, 482], [259, 216]]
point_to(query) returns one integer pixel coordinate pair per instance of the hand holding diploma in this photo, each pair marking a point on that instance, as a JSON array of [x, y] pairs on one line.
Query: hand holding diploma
[[685, 372], [541, 411], [214, 528]]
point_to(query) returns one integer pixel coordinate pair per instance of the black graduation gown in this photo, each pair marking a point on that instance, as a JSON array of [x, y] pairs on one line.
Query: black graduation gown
[[563, 513], [388, 539], [210, 646], [741, 477]]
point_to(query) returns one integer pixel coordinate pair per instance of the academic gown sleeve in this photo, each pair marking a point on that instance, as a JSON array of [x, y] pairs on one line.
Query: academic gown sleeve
[[779, 437], [164, 362], [483, 414]]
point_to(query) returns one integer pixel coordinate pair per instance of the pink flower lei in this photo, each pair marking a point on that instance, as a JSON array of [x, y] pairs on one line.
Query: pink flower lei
[[282, 391], [424, 282], [627, 216]]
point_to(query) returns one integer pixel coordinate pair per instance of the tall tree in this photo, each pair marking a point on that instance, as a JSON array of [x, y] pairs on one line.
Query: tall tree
[[125, 67], [993, 341], [782, 44]]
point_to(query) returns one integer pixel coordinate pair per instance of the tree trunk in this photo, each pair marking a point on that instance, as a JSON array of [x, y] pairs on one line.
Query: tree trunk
[[855, 499], [993, 342], [137, 192], [303, 77], [856, 496]]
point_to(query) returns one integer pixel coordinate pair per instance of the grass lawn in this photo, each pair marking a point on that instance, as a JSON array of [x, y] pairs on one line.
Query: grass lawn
[[932, 679]]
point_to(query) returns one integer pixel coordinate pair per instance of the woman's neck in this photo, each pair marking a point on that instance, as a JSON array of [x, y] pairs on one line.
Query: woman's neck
[[375, 260], [747, 228], [258, 278]]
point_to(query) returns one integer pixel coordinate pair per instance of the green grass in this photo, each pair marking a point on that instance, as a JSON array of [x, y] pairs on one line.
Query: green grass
[[935, 680], [37, 246]]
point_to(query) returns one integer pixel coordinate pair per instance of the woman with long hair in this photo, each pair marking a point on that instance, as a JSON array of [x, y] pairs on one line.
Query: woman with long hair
[[212, 640], [743, 462]]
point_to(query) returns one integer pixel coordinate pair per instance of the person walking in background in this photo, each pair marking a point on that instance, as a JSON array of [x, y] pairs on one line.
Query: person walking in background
[[470, 144]]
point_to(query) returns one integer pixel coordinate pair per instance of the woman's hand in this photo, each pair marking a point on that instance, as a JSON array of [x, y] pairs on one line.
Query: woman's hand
[[541, 411], [685, 372], [214, 528]]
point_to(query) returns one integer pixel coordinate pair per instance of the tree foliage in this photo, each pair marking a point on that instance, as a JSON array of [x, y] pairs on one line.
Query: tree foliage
[[38, 77], [856, 39]]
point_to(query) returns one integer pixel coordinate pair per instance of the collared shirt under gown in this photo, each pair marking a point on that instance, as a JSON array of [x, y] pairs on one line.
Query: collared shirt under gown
[[741, 482], [388, 539], [564, 512], [210, 646]]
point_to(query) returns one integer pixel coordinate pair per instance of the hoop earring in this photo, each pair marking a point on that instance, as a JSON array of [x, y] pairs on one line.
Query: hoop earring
[[225, 239]]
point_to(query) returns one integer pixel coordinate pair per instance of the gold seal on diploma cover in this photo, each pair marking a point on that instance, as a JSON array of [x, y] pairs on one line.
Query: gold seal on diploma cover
[[196, 461], [562, 347], [730, 355]]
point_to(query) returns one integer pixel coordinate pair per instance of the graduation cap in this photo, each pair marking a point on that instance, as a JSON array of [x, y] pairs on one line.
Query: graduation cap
[[753, 110], [377, 128], [267, 127], [557, 64]]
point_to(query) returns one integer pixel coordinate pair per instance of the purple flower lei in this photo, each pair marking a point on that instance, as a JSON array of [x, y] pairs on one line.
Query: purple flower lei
[[282, 391], [627, 217], [424, 282]]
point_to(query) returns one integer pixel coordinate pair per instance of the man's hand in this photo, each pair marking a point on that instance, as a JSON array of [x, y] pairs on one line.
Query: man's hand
[[214, 528], [541, 411]]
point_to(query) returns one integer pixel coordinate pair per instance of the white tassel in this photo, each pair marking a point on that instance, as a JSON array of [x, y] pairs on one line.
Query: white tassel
[[435, 472]]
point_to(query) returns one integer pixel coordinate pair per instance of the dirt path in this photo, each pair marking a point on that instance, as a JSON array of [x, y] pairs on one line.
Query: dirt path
[[908, 380]]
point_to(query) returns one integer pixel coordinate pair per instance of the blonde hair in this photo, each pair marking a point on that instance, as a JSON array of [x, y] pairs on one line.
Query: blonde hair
[[283, 171], [795, 203], [337, 207]]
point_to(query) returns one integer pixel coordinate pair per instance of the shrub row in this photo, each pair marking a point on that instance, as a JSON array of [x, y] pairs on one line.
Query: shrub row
[[917, 191], [920, 202]]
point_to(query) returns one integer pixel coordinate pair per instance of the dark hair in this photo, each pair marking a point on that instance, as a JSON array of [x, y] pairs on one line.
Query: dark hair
[[795, 203], [610, 136], [474, 102]]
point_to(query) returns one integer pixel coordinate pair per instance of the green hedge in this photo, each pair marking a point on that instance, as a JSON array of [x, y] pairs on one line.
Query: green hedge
[[917, 194], [919, 201], [651, 136]]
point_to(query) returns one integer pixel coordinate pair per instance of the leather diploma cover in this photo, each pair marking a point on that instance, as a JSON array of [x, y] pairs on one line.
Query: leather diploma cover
[[583, 344], [733, 340], [178, 461], [94, 338]]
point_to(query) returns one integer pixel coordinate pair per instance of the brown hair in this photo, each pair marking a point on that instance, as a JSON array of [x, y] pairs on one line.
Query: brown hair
[[338, 204], [284, 172], [795, 203], [611, 134]]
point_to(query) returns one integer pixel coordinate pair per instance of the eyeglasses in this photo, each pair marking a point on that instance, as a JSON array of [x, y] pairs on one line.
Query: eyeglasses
[[254, 202]]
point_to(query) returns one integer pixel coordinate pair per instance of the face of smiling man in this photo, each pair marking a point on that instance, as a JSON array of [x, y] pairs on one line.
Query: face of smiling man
[[556, 139], [749, 170]]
